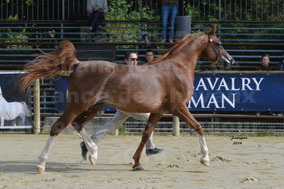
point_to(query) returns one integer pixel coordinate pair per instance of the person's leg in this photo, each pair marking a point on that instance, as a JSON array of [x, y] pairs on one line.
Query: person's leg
[[117, 120], [95, 21], [165, 16], [173, 13], [100, 19]]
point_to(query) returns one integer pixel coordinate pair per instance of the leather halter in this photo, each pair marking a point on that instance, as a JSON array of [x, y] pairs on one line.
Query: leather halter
[[216, 47]]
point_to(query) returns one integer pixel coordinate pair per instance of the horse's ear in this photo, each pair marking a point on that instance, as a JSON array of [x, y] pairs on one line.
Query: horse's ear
[[212, 30]]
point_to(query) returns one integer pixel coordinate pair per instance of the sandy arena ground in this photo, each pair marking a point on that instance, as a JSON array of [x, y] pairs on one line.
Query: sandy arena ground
[[256, 163]]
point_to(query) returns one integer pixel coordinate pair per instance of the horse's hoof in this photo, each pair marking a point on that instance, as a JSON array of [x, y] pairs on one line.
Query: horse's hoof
[[137, 168], [93, 160], [40, 170], [205, 162]]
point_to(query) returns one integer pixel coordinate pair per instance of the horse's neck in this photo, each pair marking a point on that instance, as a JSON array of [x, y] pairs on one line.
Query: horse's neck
[[191, 52], [2, 99]]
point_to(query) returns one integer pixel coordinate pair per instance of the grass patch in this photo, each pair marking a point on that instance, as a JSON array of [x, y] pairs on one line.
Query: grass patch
[[122, 130], [45, 133], [268, 133]]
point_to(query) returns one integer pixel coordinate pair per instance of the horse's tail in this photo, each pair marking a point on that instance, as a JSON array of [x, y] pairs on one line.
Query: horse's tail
[[49, 64]]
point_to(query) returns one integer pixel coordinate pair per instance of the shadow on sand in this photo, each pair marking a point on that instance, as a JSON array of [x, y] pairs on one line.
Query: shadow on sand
[[29, 167]]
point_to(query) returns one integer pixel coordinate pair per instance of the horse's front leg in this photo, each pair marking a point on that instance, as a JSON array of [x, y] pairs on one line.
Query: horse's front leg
[[23, 119], [2, 121], [150, 126], [184, 114]]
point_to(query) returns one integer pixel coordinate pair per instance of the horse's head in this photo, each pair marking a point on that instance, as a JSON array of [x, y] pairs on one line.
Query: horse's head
[[215, 51], [27, 111]]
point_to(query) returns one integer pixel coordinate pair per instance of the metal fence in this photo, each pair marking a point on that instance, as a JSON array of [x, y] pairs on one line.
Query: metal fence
[[203, 10], [235, 10], [215, 124]]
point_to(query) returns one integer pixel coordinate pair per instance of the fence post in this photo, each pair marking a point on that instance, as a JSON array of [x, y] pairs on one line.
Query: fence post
[[176, 128], [36, 107]]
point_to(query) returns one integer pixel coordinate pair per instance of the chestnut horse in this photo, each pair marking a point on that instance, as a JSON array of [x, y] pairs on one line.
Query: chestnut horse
[[162, 86]]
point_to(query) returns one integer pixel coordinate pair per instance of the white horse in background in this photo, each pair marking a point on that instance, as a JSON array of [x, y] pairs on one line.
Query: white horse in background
[[12, 110]]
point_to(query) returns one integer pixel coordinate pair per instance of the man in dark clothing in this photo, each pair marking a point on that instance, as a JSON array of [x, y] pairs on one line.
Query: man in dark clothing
[[96, 10]]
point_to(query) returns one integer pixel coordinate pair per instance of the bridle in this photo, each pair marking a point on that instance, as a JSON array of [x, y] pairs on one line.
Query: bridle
[[217, 48]]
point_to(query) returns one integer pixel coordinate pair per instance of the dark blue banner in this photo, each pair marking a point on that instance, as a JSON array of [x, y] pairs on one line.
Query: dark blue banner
[[238, 92]]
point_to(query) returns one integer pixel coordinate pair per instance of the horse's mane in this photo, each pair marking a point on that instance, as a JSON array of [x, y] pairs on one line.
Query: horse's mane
[[178, 46]]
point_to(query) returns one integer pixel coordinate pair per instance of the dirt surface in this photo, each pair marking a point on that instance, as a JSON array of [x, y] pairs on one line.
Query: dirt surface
[[258, 162]]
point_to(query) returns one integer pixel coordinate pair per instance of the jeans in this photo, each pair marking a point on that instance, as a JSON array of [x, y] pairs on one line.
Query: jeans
[[96, 18], [169, 11]]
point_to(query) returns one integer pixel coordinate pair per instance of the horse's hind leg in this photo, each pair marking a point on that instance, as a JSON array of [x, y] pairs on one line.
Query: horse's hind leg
[[184, 114], [150, 126], [79, 123], [56, 129]]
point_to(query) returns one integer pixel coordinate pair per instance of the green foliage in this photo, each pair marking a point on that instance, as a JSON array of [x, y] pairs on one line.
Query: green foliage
[[252, 10], [13, 18], [122, 130], [45, 132], [188, 10], [29, 2], [14, 36], [123, 10]]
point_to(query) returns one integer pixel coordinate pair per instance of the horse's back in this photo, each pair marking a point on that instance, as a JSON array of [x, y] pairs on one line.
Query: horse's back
[[90, 76]]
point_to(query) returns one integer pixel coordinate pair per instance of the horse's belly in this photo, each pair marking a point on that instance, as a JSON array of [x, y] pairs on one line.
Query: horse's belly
[[137, 106], [11, 111]]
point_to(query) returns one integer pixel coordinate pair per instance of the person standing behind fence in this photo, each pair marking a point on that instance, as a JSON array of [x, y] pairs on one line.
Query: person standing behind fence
[[120, 117], [96, 10], [169, 13]]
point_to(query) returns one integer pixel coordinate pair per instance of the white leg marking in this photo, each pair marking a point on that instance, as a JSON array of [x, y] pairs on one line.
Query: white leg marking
[[204, 148], [48, 148], [91, 146]]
